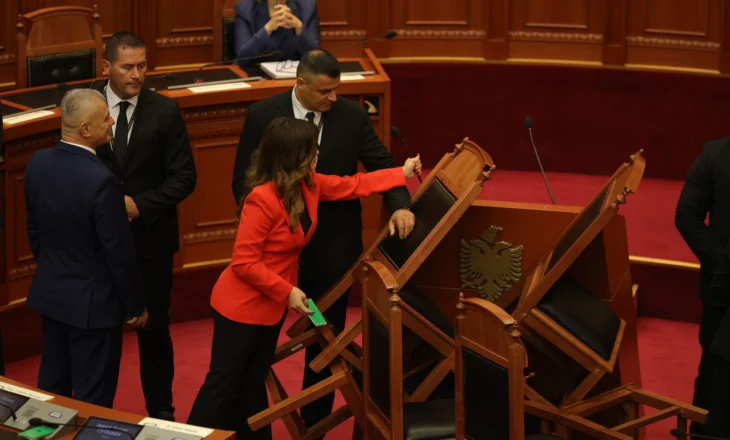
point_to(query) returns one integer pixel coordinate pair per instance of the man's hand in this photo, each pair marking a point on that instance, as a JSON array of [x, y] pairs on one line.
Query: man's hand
[[403, 221], [278, 19], [132, 211], [293, 22], [140, 321]]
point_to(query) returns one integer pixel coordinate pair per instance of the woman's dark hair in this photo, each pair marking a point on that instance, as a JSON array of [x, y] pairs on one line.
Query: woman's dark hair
[[284, 157]]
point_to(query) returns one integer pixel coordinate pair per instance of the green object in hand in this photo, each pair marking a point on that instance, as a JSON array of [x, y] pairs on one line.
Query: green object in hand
[[316, 317], [37, 432]]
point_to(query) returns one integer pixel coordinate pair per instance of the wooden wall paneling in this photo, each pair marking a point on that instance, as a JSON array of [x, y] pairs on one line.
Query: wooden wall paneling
[[342, 23], [571, 30], [8, 48], [614, 49], [678, 33], [438, 28], [144, 26], [497, 27], [183, 33], [725, 32], [379, 24], [207, 218]]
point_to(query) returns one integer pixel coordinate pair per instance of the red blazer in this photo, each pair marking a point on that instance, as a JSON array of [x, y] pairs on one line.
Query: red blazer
[[255, 287]]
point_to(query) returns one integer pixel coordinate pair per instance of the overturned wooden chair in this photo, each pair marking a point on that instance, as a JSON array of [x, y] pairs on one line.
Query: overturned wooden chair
[[489, 365], [446, 193], [569, 322]]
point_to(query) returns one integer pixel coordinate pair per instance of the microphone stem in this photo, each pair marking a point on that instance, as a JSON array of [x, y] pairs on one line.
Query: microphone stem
[[544, 176]]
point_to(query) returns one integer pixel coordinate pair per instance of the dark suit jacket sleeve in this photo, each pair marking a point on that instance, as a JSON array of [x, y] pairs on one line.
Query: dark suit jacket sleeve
[[249, 41], [374, 156], [117, 245], [180, 172], [31, 223], [309, 38], [694, 204], [247, 144]]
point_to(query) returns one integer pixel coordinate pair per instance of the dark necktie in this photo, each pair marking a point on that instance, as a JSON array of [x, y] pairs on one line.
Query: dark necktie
[[120, 134], [310, 117]]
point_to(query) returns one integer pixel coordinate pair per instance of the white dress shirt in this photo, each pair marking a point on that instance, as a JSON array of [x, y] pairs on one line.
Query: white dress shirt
[[113, 102], [301, 113], [91, 150]]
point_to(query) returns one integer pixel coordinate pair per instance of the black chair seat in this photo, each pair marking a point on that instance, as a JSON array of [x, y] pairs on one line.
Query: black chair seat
[[426, 308], [543, 437], [582, 314], [430, 420]]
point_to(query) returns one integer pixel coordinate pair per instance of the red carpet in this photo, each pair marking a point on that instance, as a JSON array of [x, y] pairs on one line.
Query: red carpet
[[665, 369], [649, 213]]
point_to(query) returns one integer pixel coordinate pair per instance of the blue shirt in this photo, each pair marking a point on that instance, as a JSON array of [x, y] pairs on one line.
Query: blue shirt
[[252, 39]]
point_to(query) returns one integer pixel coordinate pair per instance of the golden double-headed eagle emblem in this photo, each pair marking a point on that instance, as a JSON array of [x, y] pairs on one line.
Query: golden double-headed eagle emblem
[[488, 266]]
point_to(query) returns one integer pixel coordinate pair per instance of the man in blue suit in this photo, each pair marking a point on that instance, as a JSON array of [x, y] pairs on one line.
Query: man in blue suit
[[87, 282]]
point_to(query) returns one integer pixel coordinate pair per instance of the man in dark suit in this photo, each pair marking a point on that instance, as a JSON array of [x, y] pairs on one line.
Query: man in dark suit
[[150, 152], [87, 282], [707, 191], [346, 137]]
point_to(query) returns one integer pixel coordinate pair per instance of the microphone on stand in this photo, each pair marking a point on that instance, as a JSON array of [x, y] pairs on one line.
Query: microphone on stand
[[387, 36], [395, 132], [680, 433], [528, 124]]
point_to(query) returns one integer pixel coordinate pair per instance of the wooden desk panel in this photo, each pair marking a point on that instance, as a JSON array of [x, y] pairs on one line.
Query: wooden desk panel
[[87, 410], [207, 218]]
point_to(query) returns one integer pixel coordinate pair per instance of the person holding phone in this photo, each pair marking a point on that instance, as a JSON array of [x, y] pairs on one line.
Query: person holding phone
[[289, 26], [278, 216]]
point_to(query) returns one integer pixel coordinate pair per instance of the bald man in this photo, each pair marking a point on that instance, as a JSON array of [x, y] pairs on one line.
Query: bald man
[[86, 283]]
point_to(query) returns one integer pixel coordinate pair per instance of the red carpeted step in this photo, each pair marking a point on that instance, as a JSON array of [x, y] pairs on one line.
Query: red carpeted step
[[665, 369]]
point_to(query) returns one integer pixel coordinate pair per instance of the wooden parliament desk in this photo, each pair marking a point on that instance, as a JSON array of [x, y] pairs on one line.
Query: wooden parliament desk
[[214, 121], [86, 410]]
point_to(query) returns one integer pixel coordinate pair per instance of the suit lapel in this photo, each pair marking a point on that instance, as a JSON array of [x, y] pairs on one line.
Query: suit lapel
[[310, 203], [284, 105], [328, 130], [141, 116]]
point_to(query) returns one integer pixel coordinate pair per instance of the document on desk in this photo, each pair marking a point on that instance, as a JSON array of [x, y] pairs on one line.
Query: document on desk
[[10, 120], [345, 77], [177, 427], [219, 87], [25, 392]]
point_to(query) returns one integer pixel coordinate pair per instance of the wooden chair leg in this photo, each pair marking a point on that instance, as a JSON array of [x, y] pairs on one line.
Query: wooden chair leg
[[337, 347], [292, 421]]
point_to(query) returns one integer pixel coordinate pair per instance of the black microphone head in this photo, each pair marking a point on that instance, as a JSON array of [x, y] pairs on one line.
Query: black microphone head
[[394, 131], [528, 122], [676, 432], [35, 421], [390, 34]]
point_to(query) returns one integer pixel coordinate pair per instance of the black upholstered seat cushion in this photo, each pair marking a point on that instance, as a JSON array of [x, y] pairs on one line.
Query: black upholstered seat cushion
[[430, 420], [61, 67], [582, 314], [426, 308], [429, 209]]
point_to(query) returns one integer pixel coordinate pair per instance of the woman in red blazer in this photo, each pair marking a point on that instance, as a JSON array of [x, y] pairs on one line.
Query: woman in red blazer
[[278, 216]]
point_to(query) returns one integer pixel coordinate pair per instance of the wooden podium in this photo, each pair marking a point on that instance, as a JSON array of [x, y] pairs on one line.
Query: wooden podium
[[214, 121]]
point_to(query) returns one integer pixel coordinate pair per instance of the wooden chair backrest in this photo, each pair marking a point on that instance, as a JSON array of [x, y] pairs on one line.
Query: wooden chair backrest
[[386, 320], [580, 232], [58, 30], [223, 22]]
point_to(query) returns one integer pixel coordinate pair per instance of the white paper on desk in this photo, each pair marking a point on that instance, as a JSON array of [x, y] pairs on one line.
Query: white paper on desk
[[219, 87], [10, 120], [25, 392], [177, 427], [346, 77]]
